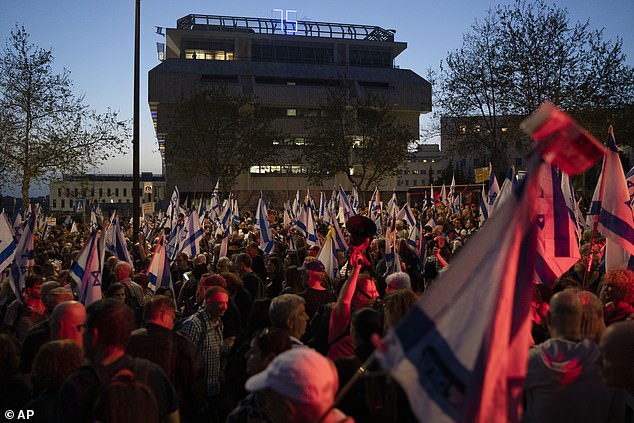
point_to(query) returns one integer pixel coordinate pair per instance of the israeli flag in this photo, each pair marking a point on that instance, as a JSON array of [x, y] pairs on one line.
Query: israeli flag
[[406, 214], [87, 269], [339, 239], [345, 204], [159, 269], [7, 243], [328, 255], [461, 352], [193, 235], [24, 256], [615, 220], [262, 221], [558, 249]]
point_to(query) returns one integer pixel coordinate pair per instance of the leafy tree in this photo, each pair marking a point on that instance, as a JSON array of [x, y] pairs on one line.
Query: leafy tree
[[45, 130], [361, 134], [513, 59], [218, 135]]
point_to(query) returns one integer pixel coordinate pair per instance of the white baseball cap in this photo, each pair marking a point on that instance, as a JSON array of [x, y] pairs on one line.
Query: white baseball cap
[[300, 374]]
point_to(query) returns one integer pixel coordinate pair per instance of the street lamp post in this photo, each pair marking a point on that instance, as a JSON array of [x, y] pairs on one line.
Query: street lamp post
[[136, 189]]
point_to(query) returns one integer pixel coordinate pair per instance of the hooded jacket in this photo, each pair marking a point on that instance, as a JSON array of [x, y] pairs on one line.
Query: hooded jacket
[[564, 384]]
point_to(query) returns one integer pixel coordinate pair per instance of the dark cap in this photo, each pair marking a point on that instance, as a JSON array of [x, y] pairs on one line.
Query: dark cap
[[315, 266], [360, 228]]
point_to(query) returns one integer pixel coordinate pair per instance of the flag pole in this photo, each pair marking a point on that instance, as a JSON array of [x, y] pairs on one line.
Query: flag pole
[[586, 275]]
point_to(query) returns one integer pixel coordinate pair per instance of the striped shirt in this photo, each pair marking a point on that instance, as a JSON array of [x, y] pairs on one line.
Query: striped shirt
[[207, 334]]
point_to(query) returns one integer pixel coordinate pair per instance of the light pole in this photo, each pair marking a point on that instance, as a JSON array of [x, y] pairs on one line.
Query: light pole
[[136, 189]]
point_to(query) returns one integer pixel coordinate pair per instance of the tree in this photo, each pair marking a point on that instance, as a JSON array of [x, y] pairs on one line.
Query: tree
[[519, 55], [218, 135], [45, 130], [361, 134]]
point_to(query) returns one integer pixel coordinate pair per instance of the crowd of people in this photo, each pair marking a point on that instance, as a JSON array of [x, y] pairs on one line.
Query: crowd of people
[[271, 338]]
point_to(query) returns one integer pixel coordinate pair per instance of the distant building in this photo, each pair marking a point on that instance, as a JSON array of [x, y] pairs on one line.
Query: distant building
[[288, 67], [110, 192], [424, 167], [456, 131]]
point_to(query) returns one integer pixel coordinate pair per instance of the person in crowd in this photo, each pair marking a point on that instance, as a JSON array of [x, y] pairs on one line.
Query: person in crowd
[[592, 323], [396, 305], [298, 386], [275, 271], [617, 355], [258, 263], [107, 330], [204, 328], [53, 363], [179, 357], [20, 317], [264, 347], [14, 388], [117, 291], [563, 378], [252, 282], [67, 322], [40, 334], [617, 295], [288, 313], [316, 294], [224, 265], [397, 280], [358, 291]]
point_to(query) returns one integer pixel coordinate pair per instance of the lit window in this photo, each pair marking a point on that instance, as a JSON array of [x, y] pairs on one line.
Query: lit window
[[462, 129], [505, 129], [476, 128], [291, 112], [424, 160]]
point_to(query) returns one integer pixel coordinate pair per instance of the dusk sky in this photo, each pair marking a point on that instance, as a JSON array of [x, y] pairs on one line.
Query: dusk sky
[[94, 39]]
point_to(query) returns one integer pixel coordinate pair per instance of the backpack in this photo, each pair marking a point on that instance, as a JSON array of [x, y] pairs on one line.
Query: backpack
[[319, 328], [125, 397]]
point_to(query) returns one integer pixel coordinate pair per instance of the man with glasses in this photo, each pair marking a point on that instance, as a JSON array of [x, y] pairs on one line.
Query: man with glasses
[[67, 322]]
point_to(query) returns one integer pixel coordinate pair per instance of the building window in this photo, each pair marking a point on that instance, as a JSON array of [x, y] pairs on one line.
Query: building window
[[92, 192], [101, 192], [63, 203], [116, 192], [462, 129], [291, 112], [127, 200], [59, 192], [109, 192], [76, 192], [67, 192], [125, 192], [505, 129], [55, 204]]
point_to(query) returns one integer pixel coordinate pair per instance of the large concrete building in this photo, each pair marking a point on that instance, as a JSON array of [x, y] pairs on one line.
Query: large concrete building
[[287, 67]]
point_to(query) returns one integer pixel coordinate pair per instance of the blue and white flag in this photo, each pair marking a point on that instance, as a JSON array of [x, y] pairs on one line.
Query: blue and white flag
[[174, 243], [338, 238], [507, 187], [461, 352], [573, 207], [443, 195], [24, 256], [453, 196], [173, 209], [193, 235], [18, 227], [406, 214], [328, 256], [557, 246], [262, 221], [374, 209], [484, 208], [391, 205], [87, 269], [494, 191], [159, 269], [202, 210], [355, 200], [93, 220], [322, 205], [615, 220], [120, 246], [345, 203], [7, 243]]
